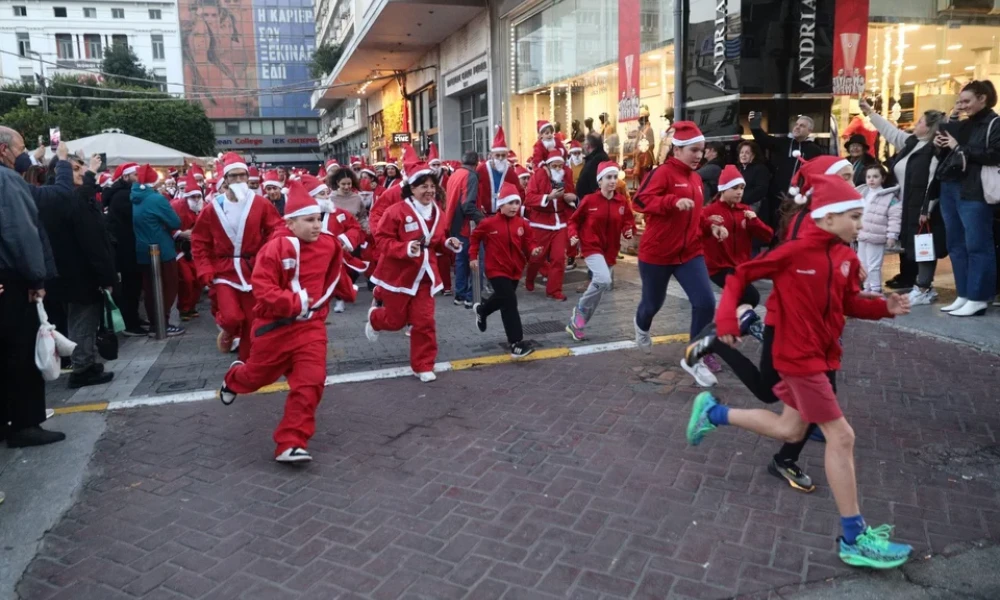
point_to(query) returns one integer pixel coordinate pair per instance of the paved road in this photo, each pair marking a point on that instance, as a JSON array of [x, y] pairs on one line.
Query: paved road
[[549, 479]]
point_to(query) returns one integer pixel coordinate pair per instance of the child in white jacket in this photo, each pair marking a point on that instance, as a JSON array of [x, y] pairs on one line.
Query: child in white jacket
[[882, 220]]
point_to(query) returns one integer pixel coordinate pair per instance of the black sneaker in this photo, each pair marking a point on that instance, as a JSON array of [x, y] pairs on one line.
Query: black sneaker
[[136, 332], [792, 474], [174, 331], [520, 350], [227, 396], [33, 436], [898, 284], [480, 319], [700, 348], [92, 376]]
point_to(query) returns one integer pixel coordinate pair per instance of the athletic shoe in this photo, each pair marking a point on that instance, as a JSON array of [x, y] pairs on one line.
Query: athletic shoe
[[873, 549], [712, 363], [446, 293], [458, 302], [294, 455], [407, 330], [757, 330], [698, 423], [957, 304], [426, 376], [226, 395], [174, 331], [370, 332], [88, 377], [338, 306], [699, 348], [919, 297], [702, 375], [898, 284], [557, 297], [790, 472], [520, 350], [570, 265], [480, 319], [642, 338], [817, 436], [136, 332], [747, 320], [467, 304], [576, 326]]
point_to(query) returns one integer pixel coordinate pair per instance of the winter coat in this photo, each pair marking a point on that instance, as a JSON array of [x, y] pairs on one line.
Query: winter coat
[[978, 151], [390, 198], [486, 196], [118, 203], [600, 223], [153, 221], [188, 218], [883, 215], [784, 164], [586, 183], [816, 284], [709, 173], [546, 213], [399, 271], [509, 243], [758, 179], [460, 203], [226, 257], [861, 169], [343, 226], [672, 236], [24, 245], [737, 247]]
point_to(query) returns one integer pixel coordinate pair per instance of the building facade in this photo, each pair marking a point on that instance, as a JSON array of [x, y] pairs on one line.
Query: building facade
[[49, 38]]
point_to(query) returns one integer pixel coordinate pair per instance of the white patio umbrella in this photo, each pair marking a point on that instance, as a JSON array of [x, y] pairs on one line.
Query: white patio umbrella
[[122, 148]]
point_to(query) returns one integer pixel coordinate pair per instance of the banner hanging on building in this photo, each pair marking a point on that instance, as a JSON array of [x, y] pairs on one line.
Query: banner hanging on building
[[813, 49], [850, 47], [628, 60]]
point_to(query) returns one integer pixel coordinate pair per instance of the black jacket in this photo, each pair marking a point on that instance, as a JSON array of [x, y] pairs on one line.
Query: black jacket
[[710, 173], [861, 168], [978, 152], [80, 244], [119, 207], [780, 152], [586, 183], [758, 178], [919, 188]]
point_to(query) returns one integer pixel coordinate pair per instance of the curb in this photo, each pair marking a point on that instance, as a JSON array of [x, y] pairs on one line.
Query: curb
[[377, 374]]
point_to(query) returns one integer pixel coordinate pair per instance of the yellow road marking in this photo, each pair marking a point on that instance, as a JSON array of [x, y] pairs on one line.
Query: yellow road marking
[[95, 407]]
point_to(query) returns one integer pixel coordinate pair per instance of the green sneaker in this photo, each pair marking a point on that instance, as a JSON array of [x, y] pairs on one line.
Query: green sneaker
[[873, 549], [698, 424]]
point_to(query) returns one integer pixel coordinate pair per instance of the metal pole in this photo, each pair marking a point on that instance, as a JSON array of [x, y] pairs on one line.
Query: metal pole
[[477, 288], [681, 8], [159, 320]]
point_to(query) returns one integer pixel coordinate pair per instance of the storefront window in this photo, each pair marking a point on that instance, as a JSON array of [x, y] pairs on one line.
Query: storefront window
[[475, 123]]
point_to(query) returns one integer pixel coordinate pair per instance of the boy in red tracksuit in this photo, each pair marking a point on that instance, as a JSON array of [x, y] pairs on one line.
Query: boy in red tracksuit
[[547, 142], [294, 278], [550, 200], [188, 206], [816, 285], [509, 243]]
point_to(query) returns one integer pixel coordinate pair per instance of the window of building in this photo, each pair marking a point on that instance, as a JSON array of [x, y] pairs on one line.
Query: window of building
[[232, 127], [64, 45], [312, 127], [92, 46], [27, 79], [23, 43], [59, 11], [267, 128], [474, 121], [117, 13], [255, 127], [155, 14], [158, 51], [219, 127], [89, 13], [244, 127], [160, 76], [20, 11], [119, 38], [432, 107], [279, 128]]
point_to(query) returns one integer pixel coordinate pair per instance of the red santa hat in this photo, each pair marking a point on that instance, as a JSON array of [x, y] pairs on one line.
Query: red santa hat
[[413, 166], [191, 185], [820, 165], [146, 175], [507, 193], [233, 162], [104, 179], [521, 171], [197, 171], [542, 124], [687, 133], [253, 174], [172, 174], [512, 157], [331, 165], [356, 160], [432, 154], [271, 178], [554, 156], [368, 170], [298, 201], [499, 141], [312, 184], [730, 178], [607, 168], [832, 195], [124, 169], [575, 146]]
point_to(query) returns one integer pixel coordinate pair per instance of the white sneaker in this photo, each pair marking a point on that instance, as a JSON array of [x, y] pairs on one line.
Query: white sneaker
[[406, 330], [226, 395], [427, 376], [49, 413], [972, 308], [294, 455], [642, 338], [235, 345], [338, 306], [957, 304], [919, 297], [702, 375]]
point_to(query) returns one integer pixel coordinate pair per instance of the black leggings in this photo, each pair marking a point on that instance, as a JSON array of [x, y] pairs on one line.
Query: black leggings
[[750, 294], [504, 299], [761, 383]]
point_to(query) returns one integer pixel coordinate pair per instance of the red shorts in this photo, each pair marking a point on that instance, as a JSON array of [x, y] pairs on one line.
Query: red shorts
[[811, 395]]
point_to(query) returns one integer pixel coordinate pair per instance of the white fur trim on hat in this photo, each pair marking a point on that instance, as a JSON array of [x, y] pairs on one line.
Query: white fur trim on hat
[[499, 149], [607, 171], [319, 188], [545, 126], [312, 209], [506, 199], [194, 192], [233, 167], [840, 164], [732, 183], [690, 142], [411, 178], [369, 171], [268, 184], [130, 170], [553, 159], [837, 208]]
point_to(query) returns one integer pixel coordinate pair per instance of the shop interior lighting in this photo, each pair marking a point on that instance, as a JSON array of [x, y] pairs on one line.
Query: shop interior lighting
[[970, 68], [944, 61], [932, 80], [955, 47], [912, 27], [928, 47], [655, 57], [869, 67], [944, 75], [910, 83], [910, 68]]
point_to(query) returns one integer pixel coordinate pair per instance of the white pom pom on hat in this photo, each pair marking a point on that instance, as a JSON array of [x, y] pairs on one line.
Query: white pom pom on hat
[[801, 199], [793, 191], [796, 153]]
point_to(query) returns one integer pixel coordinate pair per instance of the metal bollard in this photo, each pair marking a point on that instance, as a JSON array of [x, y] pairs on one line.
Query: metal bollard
[[477, 288], [159, 320]]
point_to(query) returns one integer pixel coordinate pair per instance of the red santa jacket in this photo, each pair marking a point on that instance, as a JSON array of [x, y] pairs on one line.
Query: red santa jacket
[[539, 152], [391, 197], [383, 188], [672, 236], [224, 256], [735, 249], [398, 270], [509, 243], [188, 218], [816, 283], [544, 212], [600, 222], [343, 226], [486, 195]]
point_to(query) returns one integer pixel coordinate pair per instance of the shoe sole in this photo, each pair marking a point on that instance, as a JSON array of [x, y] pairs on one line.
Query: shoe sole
[[690, 371], [573, 334], [522, 356], [293, 460], [791, 482], [860, 561], [475, 313]]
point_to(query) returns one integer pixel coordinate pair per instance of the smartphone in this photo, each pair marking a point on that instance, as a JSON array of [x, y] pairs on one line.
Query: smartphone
[[54, 138], [104, 162], [41, 140], [951, 127]]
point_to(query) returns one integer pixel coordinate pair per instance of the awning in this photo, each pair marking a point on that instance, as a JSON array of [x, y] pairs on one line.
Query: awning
[[123, 148]]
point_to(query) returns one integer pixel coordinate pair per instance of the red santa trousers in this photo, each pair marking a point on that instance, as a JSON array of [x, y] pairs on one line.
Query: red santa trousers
[[444, 267], [398, 310], [234, 314], [553, 258], [188, 288], [299, 353]]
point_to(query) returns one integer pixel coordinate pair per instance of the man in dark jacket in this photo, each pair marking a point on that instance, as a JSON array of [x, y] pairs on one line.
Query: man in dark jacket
[[82, 251], [119, 206], [781, 153], [461, 206], [587, 183], [25, 265]]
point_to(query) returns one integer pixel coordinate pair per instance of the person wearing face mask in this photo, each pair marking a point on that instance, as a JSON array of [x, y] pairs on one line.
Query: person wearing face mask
[[575, 160], [229, 233], [273, 191], [434, 162], [551, 198], [169, 189], [407, 275], [546, 143], [187, 206]]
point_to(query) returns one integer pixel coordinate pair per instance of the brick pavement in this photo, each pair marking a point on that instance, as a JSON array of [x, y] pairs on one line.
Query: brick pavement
[[566, 478]]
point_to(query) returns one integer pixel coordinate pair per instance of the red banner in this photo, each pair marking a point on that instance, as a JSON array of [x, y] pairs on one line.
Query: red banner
[[628, 60], [850, 47]]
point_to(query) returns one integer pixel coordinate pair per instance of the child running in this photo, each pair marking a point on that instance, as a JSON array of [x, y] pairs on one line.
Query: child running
[[881, 223], [816, 284], [295, 276], [598, 224], [508, 241]]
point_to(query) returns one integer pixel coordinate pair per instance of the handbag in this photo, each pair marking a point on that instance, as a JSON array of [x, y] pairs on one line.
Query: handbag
[[117, 321], [990, 174], [107, 341], [50, 345], [923, 244]]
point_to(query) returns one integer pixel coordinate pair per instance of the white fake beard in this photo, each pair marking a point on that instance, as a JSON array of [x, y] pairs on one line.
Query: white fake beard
[[196, 205], [575, 160], [325, 205], [549, 144], [499, 165], [557, 176]]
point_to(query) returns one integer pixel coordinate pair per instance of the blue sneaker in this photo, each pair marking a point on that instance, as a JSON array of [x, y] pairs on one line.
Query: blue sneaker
[[698, 423], [873, 549], [747, 321], [817, 436]]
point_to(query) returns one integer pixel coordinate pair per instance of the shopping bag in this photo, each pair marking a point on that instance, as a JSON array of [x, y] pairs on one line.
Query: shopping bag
[[923, 245], [46, 356], [117, 321], [107, 341], [990, 174]]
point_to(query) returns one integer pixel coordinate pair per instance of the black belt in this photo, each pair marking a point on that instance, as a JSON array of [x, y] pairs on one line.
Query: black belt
[[265, 329]]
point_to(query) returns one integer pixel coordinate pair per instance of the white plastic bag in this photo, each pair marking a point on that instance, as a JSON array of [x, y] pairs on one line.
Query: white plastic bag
[[49, 346], [923, 247]]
